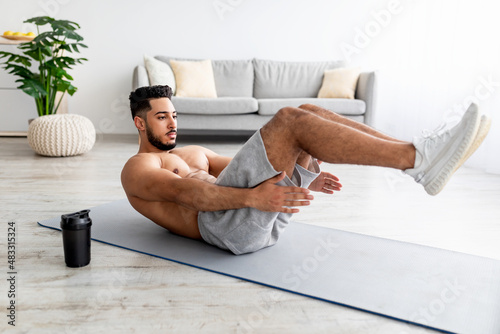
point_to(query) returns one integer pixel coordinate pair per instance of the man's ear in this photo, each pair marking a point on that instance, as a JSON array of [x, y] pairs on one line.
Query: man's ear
[[140, 124]]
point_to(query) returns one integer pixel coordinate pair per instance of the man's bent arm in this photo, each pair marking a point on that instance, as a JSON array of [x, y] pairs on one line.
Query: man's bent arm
[[205, 196], [140, 178]]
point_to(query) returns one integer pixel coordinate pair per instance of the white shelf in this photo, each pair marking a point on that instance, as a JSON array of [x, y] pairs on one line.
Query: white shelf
[[15, 106], [13, 134], [5, 41]]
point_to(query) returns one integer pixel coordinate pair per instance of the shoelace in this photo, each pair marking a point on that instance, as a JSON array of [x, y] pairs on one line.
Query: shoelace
[[440, 133], [429, 139]]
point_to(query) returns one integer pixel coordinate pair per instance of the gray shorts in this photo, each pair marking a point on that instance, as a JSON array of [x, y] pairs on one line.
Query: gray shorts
[[247, 230]]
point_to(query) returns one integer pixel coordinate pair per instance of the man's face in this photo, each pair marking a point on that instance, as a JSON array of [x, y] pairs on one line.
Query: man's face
[[161, 124]]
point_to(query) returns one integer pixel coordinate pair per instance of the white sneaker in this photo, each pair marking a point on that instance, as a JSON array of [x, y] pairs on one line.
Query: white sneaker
[[484, 128], [440, 153]]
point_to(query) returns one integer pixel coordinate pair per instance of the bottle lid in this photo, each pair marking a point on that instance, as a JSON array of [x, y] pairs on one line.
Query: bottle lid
[[76, 221]]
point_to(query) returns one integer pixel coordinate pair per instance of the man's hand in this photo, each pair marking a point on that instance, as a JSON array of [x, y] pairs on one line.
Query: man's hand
[[326, 183], [274, 198]]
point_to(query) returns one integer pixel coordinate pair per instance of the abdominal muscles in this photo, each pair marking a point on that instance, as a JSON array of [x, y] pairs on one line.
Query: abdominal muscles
[[173, 217]]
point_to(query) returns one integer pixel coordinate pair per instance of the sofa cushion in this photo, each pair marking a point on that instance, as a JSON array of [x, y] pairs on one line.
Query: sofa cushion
[[218, 106], [340, 106], [279, 79], [194, 78], [159, 73], [232, 77], [339, 83]]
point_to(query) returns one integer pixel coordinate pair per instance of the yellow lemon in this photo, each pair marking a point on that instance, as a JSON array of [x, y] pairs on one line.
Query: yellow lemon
[[31, 34], [17, 33], [8, 33]]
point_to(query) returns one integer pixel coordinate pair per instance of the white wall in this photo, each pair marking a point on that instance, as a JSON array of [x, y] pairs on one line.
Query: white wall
[[432, 56]]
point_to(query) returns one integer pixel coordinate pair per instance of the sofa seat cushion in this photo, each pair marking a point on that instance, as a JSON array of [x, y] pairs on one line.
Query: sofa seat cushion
[[340, 106], [218, 106]]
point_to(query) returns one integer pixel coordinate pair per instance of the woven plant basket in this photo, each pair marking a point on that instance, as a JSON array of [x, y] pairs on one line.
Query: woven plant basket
[[61, 135]]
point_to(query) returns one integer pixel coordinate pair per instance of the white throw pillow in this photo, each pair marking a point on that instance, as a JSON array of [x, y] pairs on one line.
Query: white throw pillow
[[194, 78], [159, 73], [339, 83]]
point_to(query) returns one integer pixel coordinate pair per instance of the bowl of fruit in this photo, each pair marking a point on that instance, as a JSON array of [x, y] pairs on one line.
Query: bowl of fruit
[[18, 36]]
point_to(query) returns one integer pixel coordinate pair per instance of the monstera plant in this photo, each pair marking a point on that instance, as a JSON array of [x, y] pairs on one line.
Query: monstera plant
[[42, 66]]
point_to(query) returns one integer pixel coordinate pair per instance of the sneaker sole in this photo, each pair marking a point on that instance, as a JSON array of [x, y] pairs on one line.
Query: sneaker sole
[[484, 128], [434, 186]]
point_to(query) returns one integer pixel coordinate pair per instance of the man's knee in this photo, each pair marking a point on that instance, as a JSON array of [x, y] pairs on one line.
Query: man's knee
[[308, 106], [286, 118], [289, 113], [317, 110]]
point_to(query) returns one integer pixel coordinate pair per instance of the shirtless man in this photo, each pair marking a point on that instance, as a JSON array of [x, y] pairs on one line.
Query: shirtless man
[[244, 204]]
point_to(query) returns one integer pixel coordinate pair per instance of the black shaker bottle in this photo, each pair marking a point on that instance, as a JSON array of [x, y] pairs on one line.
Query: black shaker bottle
[[76, 238]]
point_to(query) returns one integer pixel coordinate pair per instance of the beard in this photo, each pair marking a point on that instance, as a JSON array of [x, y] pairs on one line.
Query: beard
[[156, 141]]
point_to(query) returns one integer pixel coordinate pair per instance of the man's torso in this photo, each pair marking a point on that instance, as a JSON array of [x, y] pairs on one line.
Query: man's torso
[[189, 161]]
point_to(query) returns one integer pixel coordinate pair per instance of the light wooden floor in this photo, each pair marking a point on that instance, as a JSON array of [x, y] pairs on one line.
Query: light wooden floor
[[127, 292]]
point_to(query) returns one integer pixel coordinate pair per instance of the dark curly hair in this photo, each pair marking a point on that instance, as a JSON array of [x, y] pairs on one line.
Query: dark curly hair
[[139, 99]]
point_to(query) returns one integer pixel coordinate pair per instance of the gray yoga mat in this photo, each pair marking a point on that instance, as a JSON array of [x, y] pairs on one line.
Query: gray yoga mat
[[431, 287]]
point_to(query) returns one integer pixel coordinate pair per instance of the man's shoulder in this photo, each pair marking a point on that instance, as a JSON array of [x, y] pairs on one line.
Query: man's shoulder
[[143, 156], [141, 159]]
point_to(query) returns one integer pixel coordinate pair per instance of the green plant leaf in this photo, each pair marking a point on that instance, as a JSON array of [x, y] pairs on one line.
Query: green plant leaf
[[67, 76], [64, 46], [71, 35], [15, 58], [21, 71], [72, 47], [66, 86], [40, 20], [48, 51], [64, 24], [72, 90], [59, 73], [41, 36], [32, 88], [24, 60], [4, 54], [42, 40]]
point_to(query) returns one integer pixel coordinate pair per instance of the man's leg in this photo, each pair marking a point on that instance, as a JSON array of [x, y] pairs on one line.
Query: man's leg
[[294, 130], [304, 158], [430, 160], [332, 116]]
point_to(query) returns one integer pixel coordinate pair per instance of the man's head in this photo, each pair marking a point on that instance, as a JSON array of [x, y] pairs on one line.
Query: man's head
[[139, 99], [155, 116]]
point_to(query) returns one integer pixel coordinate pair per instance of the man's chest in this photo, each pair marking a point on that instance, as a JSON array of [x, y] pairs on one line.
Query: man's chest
[[184, 161]]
